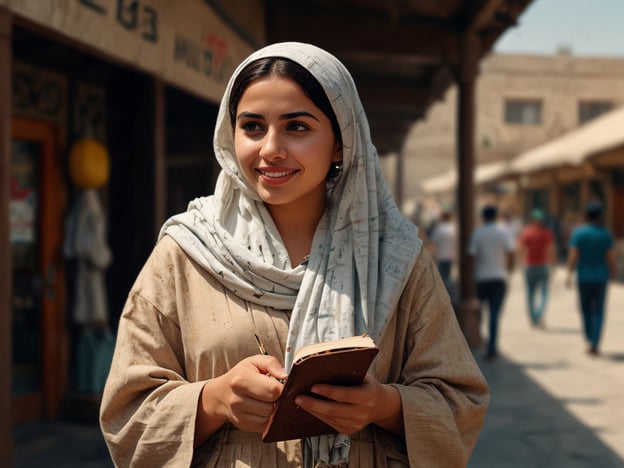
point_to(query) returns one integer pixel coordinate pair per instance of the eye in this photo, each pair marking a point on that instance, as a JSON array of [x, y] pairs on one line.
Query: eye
[[298, 127], [250, 126]]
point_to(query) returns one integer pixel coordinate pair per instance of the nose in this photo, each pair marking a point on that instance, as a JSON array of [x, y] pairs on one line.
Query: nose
[[272, 146]]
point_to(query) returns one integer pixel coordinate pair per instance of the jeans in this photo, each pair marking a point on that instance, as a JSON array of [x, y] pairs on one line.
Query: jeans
[[536, 278], [592, 297], [444, 267], [492, 292]]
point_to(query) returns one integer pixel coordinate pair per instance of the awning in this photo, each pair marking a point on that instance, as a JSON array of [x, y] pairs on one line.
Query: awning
[[598, 135], [440, 183], [447, 181], [571, 149]]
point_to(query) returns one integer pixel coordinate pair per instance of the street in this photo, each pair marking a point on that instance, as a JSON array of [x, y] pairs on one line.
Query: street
[[552, 404]]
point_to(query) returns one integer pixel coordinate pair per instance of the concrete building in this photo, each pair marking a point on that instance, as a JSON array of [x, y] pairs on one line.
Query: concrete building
[[522, 101], [548, 135]]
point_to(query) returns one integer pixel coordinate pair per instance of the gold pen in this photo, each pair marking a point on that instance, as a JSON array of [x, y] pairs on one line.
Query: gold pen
[[266, 353], [260, 345]]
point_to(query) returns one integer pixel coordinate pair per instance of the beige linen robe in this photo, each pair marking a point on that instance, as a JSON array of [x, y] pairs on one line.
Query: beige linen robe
[[180, 327]]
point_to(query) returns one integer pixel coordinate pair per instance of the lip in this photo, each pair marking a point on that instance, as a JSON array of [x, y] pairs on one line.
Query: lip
[[276, 175]]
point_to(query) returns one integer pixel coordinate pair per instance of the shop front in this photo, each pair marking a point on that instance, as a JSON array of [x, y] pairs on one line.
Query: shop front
[[140, 80]]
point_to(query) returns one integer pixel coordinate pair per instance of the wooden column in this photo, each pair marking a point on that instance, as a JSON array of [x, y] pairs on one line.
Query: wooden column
[[160, 157], [6, 430], [468, 306]]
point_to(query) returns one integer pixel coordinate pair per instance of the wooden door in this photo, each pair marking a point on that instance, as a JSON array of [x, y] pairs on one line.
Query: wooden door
[[37, 299], [617, 220]]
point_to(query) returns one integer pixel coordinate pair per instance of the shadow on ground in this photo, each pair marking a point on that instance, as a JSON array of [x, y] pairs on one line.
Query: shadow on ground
[[525, 427], [60, 445]]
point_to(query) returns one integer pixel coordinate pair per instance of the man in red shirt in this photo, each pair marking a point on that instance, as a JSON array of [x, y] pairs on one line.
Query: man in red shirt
[[536, 246]]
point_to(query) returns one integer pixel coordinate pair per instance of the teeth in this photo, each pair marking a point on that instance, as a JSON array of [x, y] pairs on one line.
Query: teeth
[[276, 174]]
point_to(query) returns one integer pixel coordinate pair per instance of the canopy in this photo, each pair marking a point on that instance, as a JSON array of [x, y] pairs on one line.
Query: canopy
[[483, 174], [598, 135], [571, 149]]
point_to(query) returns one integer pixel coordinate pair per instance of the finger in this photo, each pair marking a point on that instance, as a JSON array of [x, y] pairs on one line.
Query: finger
[[346, 418], [264, 387], [342, 394], [330, 412], [269, 365], [257, 408]]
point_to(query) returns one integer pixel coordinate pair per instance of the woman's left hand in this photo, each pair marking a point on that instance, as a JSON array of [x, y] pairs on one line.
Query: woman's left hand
[[351, 409]]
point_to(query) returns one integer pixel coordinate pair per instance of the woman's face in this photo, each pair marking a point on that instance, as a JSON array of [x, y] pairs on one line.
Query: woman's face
[[284, 143]]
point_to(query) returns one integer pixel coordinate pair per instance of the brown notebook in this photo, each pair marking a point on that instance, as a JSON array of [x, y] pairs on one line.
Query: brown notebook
[[338, 362]]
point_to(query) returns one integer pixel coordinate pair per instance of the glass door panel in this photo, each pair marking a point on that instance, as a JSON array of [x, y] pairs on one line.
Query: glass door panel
[[25, 258], [37, 300]]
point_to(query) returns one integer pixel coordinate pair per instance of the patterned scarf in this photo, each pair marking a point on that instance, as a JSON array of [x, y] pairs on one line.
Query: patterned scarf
[[362, 252]]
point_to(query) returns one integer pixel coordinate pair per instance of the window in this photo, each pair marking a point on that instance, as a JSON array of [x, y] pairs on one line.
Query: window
[[523, 112], [591, 109]]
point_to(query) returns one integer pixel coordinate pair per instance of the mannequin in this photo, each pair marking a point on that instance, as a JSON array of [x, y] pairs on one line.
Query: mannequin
[[86, 244]]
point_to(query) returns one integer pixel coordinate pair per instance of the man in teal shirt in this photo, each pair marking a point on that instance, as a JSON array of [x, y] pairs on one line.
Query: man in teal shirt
[[593, 256]]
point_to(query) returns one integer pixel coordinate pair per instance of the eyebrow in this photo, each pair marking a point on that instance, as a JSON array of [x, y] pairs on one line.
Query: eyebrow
[[290, 115]]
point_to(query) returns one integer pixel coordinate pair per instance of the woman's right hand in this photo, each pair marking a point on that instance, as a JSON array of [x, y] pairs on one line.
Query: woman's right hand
[[243, 396]]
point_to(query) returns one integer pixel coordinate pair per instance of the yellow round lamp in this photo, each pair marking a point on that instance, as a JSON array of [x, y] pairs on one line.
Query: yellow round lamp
[[89, 165]]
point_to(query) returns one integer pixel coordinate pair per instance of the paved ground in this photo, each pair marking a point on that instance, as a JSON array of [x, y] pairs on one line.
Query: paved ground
[[552, 404]]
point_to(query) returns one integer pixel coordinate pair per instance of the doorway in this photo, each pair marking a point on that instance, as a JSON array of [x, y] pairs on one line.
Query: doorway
[[37, 299]]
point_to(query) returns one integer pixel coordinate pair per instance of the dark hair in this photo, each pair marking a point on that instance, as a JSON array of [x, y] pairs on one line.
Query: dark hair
[[489, 213], [593, 211], [285, 68]]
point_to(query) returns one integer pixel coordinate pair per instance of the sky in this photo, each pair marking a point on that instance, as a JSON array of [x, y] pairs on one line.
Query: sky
[[586, 27]]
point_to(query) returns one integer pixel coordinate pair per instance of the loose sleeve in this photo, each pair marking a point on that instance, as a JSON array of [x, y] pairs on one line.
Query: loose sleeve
[[443, 392], [148, 407]]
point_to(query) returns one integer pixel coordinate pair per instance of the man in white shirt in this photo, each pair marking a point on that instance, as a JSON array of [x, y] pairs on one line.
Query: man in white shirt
[[443, 239], [493, 251]]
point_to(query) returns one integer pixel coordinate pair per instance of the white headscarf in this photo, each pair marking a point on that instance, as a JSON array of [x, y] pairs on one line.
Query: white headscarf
[[363, 249]]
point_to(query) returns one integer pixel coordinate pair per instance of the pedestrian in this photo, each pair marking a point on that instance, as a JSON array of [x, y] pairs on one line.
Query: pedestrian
[[511, 223], [300, 243], [536, 248], [592, 255], [492, 250], [443, 240]]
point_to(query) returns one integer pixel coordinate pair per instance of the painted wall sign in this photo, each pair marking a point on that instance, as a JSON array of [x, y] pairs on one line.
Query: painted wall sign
[[184, 43]]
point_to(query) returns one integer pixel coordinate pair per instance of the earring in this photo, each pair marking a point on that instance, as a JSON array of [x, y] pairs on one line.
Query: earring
[[335, 169]]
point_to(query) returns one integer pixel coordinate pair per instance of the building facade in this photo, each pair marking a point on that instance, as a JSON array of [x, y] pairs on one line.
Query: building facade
[[142, 80], [522, 101], [534, 109]]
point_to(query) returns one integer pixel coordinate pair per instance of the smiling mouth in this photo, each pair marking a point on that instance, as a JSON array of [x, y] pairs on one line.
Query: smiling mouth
[[276, 174]]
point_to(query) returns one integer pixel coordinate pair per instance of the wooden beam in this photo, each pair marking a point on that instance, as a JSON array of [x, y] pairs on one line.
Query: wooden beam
[[485, 15], [388, 135], [391, 94], [373, 35], [6, 371]]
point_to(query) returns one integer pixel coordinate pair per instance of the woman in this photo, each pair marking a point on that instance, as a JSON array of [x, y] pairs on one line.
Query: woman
[[301, 243]]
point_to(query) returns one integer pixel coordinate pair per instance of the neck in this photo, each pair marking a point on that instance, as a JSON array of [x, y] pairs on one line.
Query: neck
[[297, 224]]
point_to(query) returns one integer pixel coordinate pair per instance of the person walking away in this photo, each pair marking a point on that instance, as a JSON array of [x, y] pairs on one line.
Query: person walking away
[[443, 240], [510, 223], [592, 255], [492, 250], [536, 248]]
